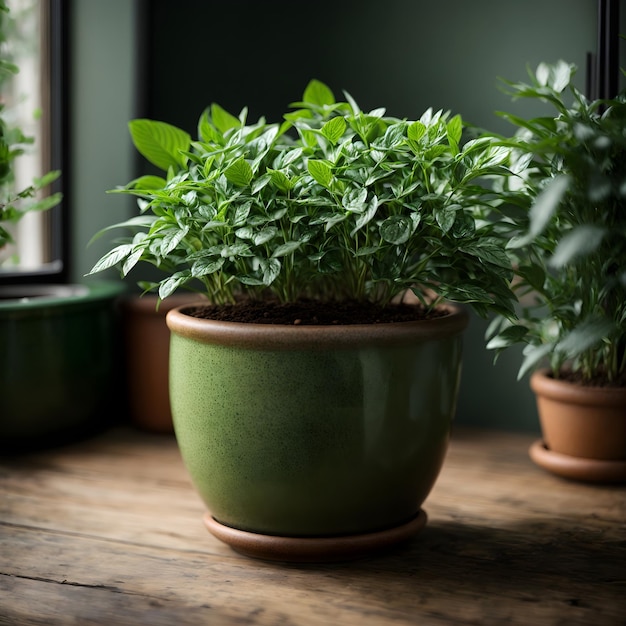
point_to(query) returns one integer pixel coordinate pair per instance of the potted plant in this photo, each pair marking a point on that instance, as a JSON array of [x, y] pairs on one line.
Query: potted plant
[[570, 251], [56, 350], [313, 398]]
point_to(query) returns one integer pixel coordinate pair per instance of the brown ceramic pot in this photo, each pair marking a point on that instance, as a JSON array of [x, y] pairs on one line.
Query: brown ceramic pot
[[147, 341], [583, 428]]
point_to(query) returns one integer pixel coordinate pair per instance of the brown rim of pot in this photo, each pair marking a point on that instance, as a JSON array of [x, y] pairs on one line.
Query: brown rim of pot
[[323, 337], [543, 384]]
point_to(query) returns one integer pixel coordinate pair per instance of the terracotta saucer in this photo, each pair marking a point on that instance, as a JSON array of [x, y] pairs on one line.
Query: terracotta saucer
[[587, 470], [312, 549]]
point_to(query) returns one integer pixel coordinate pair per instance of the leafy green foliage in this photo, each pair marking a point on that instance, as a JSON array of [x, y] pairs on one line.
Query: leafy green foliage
[[15, 203], [571, 247], [333, 203]]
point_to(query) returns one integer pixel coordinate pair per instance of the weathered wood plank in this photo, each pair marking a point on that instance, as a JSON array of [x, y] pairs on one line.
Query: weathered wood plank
[[109, 532], [453, 572]]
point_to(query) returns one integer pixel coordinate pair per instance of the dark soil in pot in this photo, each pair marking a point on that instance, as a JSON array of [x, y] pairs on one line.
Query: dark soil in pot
[[599, 380], [314, 313]]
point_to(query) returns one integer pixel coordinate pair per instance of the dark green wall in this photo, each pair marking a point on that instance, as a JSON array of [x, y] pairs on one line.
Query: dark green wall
[[405, 55], [102, 47]]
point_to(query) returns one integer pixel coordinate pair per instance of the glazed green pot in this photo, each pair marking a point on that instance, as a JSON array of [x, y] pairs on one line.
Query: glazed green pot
[[314, 431], [59, 359]]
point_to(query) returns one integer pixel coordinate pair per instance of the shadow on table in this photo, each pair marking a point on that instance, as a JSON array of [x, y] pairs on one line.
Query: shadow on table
[[543, 560]]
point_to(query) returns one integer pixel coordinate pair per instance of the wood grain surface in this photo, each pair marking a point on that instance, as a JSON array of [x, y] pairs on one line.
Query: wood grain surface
[[109, 531]]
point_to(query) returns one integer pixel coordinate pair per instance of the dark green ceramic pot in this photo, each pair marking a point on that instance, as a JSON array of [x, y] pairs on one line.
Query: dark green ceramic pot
[[314, 431], [59, 362]]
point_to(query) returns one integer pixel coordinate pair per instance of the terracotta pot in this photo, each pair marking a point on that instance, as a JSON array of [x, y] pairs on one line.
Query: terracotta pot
[[147, 344], [583, 428], [292, 433]]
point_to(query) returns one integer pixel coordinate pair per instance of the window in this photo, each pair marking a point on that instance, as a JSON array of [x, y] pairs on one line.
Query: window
[[34, 102]]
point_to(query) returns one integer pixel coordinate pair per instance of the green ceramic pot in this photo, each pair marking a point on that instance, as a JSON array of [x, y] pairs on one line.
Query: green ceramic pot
[[314, 431], [59, 362]]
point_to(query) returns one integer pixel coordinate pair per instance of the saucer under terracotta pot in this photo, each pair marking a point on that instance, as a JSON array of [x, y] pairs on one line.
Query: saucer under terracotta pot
[[314, 443], [583, 430]]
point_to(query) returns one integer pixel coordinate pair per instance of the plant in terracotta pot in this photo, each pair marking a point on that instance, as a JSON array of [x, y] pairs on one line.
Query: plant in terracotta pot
[[570, 250], [313, 398]]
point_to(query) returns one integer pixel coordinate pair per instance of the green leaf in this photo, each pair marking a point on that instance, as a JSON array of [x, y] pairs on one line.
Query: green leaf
[[546, 204], [46, 202], [534, 275], [580, 242], [496, 155], [320, 172], [416, 131], [5, 237], [271, 270], [454, 130], [286, 248], [533, 356], [48, 178], [330, 262], [132, 259], [393, 137], [318, 93], [467, 293], [435, 152], [159, 142], [171, 284], [235, 250], [172, 238], [367, 251], [491, 252], [445, 217], [355, 200], [222, 119], [543, 210], [365, 217], [206, 266], [206, 131], [9, 68], [334, 129], [239, 173], [586, 335], [396, 229], [507, 337], [147, 182], [247, 232], [561, 76], [464, 226], [241, 213], [280, 180], [265, 235], [542, 74], [112, 258]]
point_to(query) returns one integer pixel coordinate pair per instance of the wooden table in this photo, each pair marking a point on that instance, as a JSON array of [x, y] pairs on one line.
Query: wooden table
[[109, 531]]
